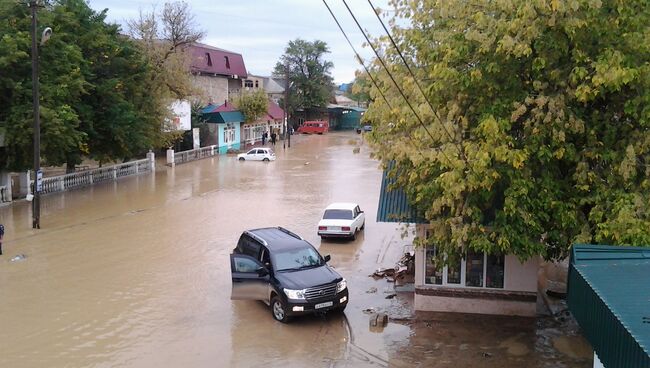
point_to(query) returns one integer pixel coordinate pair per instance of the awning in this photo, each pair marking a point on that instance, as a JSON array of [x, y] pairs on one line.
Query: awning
[[609, 296], [393, 203], [224, 117]]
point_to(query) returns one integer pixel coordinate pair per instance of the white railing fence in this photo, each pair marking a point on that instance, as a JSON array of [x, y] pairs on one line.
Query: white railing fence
[[94, 176], [191, 155]]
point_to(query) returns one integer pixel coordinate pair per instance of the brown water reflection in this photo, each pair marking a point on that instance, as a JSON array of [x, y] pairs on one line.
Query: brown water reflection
[[136, 273]]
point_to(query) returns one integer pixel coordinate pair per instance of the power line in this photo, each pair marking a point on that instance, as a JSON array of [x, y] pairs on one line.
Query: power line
[[395, 83], [359, 59], [435, 113]]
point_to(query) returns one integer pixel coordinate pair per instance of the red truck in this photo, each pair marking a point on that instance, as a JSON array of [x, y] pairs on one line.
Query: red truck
[[314, 127]]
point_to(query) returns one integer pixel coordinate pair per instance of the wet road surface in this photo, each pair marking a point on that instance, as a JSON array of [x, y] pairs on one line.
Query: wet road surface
[[136, 274]]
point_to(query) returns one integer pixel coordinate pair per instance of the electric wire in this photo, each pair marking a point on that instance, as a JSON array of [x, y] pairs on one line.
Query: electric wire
[[390, 75], [359, 59], [399, 52]]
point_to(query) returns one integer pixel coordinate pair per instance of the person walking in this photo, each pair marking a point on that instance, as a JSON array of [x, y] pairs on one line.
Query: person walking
[[263, 138], [2, 233], [273, 137]]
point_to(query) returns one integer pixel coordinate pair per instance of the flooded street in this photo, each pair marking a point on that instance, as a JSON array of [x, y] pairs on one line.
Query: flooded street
[[136, 273]]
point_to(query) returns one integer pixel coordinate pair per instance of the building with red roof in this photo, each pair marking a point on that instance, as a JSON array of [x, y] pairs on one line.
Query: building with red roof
[[216, 72]]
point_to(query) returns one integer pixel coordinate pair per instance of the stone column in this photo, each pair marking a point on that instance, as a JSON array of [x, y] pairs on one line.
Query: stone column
[[25, 187], [170, 157], [5, 181], [152, 160]]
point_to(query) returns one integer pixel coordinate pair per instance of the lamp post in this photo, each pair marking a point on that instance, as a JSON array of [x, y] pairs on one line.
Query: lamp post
[[36, 204]]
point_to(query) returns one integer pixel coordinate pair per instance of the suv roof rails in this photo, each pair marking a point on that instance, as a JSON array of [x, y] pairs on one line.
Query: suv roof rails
[[290, 233], [254, 236]]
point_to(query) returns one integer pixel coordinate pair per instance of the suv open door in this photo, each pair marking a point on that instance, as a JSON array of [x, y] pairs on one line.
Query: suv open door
[[250, 279]]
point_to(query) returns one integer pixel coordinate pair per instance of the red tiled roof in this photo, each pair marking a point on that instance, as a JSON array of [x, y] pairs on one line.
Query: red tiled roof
[[217, 57], [274, 111]]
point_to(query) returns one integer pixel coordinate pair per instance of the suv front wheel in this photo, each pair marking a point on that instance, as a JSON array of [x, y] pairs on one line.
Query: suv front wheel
[[279, 309]]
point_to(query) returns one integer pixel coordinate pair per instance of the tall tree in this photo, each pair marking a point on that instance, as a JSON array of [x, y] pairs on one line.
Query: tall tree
[[164, 38], [62, 84], [310, 80], [360, 88], [541, 131], [253, 104]]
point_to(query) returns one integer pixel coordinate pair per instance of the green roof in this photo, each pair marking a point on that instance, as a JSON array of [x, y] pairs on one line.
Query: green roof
[[224, 117], [394, 206], [609, 296]]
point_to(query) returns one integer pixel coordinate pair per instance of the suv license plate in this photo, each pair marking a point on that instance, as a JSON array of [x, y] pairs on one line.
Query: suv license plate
[[323, 305]]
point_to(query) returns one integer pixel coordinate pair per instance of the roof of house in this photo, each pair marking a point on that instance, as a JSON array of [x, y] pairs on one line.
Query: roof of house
[[224, 107], [224, 117], [213, 60], [274, 111], [609, 296], [271, 86], [354, 108], [393, 205]]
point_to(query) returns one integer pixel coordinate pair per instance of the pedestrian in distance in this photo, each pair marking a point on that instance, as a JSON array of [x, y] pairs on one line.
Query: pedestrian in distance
[[273, 137], [263, 138], [2, 233]]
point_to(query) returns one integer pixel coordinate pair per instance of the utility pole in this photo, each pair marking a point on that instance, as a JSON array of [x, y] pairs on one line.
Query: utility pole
[[36, 204], [286, 101]]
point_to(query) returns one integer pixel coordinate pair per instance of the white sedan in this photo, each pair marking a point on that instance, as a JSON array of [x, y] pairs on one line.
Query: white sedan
[[257, 154], [341, 220]]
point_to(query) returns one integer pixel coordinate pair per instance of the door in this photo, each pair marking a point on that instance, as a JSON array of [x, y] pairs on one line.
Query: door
[[250, 280], [360, 218], [250, 155]]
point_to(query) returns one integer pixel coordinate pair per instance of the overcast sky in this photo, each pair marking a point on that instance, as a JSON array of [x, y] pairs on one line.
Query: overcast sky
[[261, 29]]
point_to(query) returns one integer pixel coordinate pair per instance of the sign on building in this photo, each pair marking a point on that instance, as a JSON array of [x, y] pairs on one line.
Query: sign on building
[[181, 116]]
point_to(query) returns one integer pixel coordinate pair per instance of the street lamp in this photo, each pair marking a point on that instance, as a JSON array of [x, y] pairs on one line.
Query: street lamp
[[38, 175]]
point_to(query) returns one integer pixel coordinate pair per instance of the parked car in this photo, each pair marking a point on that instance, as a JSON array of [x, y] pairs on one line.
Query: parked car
[[257, 154], [342, 220], [365, 128], [287, 273], [314, 127]]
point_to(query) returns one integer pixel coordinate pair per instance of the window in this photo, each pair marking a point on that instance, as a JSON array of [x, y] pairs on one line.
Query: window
[[229, 134], [248, 246], [294, 259], [337, 215], [454, 272], [476, 270], [208, 58], [246, 265], [432, 273], [494, 271], [227, 62], [248, 83], [257, 84]]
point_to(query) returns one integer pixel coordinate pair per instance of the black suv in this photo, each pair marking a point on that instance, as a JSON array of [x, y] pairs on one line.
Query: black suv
[[286, 272]]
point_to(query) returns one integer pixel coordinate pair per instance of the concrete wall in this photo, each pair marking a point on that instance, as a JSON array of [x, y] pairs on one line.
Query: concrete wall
[[474, 305], [521, 276], [214, 89]]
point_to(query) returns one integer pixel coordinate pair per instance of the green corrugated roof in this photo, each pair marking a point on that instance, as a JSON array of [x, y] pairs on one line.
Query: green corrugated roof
[[393, 203], [609, 295], [224, 117]]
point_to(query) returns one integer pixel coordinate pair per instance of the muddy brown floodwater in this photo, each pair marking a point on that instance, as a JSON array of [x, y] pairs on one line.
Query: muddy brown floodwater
[[136, 274]]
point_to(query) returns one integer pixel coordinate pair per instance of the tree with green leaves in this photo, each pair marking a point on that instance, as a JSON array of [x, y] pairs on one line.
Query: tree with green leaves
[[534, 133], [359, 90], [310, 80], [252, 104], [62, 84]]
